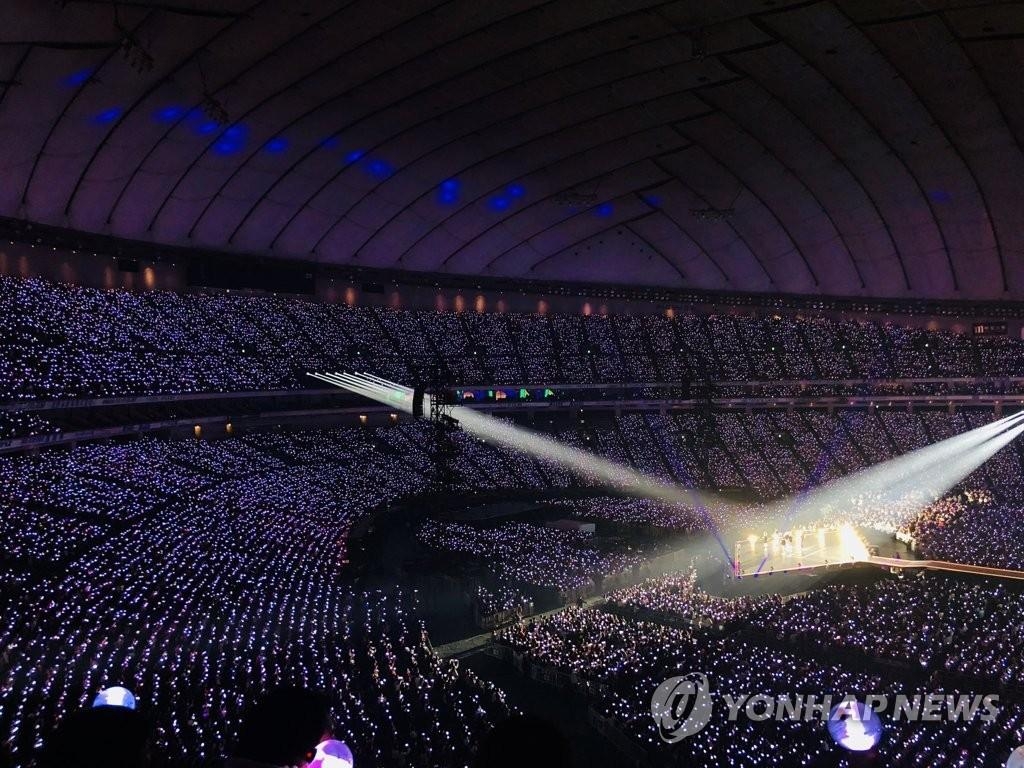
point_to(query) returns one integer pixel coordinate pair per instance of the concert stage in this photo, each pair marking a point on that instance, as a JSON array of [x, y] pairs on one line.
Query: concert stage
[[799, 550], [823, 549]]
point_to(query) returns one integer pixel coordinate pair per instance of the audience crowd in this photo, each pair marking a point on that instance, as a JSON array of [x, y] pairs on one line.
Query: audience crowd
[[969, 528], [535, 555], [502, 598], [199, 574], [67, 341], [618, 662], [677, 596]]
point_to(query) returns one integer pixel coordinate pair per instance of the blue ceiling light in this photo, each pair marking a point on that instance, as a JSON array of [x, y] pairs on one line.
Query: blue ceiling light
[[604, 210], [75, 79], [108, 115], [515, 190], [354, 156], [169, 113], [379, 169], [232, 140], [225, 147], [652, 200], [448, 192], [276, 145], [499, 203], [206, 127], [331, 142]]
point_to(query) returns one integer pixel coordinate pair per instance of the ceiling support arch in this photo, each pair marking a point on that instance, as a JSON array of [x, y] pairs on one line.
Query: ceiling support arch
[[881, 138]]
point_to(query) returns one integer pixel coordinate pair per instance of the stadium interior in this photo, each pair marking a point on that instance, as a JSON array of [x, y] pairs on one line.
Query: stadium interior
[[455, 384]]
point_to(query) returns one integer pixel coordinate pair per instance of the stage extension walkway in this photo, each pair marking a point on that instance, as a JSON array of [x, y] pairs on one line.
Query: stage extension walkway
[[942, 565]]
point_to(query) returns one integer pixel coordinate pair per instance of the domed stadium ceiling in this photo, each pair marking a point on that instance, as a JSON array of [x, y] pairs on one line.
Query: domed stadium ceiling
[[845, 148]]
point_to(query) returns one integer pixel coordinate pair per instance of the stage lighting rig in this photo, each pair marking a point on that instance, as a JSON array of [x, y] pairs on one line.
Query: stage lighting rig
[[712, 214], [441, 405], [572, 198], [214, 110], [132, 49], [436, 407], [439, 410], [136, 55]]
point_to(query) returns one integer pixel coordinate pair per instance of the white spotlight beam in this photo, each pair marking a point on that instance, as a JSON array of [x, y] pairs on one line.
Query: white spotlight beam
[[923, 474], [942, 477], [923, 458], [582, 463]]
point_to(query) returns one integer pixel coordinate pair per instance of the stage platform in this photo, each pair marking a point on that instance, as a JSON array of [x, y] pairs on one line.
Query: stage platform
[[799, 550], [826, 549]]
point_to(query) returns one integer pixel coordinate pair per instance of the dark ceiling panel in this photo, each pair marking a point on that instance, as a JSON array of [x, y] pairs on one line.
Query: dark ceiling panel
[[846, 147]]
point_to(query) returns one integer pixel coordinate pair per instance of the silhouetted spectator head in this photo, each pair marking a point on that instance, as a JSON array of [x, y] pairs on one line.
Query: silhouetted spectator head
[[509, 743], [284, 727], [102, 737]]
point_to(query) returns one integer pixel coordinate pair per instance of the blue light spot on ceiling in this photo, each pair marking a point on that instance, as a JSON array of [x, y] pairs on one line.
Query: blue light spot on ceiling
[[604, 210], [940, 196], [652, 200], [448, 192], [75, 79], [206, 127], [232, 140], [498, 203], [515, 190], [276, 145], [169, 114], [108, 115], [379, 169], [225, 147], [331, 142], [354, 155]]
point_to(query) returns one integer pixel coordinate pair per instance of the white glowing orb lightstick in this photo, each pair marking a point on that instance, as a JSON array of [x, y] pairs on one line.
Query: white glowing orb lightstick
[[115, 696]]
